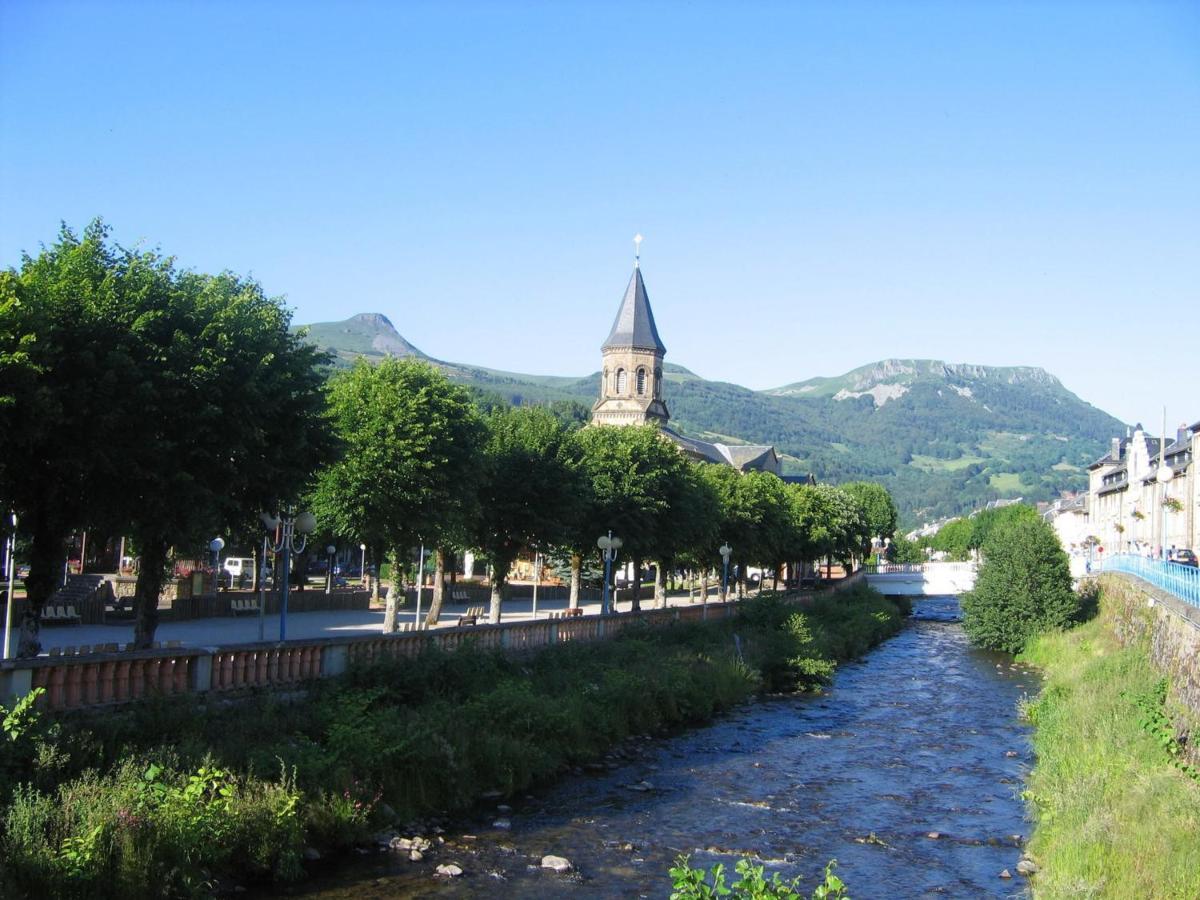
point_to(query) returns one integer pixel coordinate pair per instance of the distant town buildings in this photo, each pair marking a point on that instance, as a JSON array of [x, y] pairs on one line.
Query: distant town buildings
[[631, 385], [1144, 495]]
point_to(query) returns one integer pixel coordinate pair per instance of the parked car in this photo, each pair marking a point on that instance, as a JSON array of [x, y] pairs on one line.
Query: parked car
[[1185, 558]]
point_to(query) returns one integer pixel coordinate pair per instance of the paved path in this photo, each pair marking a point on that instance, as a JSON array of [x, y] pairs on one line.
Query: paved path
[[340, 623]]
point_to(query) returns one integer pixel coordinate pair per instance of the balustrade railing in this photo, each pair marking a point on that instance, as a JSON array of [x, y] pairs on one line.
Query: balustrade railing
[[1182, 581]]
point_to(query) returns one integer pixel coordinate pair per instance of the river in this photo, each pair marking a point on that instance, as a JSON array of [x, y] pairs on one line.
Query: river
[[907, 769]]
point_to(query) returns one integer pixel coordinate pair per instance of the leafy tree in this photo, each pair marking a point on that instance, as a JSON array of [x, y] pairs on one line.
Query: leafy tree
[[409, 468], [1023, 587], [634, 473], [954, 539], [902, 550], [877, 506], [230, 412], [63, 400], [529, 489], [194, 398], [983, 523]]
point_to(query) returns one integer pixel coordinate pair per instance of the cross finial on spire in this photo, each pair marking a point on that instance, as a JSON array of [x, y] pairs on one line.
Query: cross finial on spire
[[637, 250]]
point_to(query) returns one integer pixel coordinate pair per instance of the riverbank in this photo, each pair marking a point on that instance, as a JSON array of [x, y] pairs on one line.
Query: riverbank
[[185, 794], [1116, 817]]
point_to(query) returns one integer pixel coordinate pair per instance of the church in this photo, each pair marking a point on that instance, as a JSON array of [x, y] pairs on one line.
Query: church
[[631, 384]]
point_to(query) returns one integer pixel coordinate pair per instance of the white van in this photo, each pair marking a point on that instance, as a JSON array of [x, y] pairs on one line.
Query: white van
[[237, 567]]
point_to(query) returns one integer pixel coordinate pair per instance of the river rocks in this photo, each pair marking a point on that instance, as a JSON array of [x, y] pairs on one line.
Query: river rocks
[[641, 786], [504, 809], [502, 824], [934, 835], [1011, 754], [415, 856], [1006, 874], [449, 870], [560, 865], [491, 795], [1027, 867]]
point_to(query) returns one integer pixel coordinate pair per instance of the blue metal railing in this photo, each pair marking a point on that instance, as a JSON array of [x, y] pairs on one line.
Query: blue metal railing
[[1182, 581]]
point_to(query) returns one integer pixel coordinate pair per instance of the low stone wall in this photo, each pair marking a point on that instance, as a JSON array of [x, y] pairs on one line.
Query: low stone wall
[[1171, 629]]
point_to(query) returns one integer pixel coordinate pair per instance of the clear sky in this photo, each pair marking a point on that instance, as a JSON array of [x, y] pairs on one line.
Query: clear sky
[[820, 185]]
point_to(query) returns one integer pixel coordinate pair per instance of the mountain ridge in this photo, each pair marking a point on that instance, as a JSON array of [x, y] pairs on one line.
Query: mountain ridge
[[944, 437]]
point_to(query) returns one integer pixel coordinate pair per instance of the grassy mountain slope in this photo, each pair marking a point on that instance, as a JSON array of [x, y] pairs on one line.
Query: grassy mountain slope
[[943, 437]]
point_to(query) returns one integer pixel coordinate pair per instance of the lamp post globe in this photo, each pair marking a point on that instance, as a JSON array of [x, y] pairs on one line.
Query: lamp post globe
[[725, 550]]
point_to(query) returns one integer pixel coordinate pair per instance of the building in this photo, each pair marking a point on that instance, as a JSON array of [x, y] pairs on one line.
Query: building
[[1131, 509], [1068, 516], [631, 385]]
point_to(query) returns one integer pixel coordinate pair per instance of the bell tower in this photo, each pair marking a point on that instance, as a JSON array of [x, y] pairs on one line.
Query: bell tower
[[632, 361]]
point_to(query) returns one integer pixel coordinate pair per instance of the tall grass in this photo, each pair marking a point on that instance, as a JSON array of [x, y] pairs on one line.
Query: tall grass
[[126, 803], [1115, 816]]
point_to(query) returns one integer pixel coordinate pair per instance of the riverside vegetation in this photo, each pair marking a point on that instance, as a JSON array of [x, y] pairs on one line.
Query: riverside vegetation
[[1117, 809], [178, 797]]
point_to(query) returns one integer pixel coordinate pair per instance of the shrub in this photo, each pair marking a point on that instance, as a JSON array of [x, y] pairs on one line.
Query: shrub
[[1023, 587]]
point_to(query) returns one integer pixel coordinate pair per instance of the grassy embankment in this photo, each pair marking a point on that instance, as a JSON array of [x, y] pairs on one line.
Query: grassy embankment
[[1115, 816], [162, 797]]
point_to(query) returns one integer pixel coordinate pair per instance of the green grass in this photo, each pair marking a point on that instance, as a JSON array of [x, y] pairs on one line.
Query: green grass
[[1115, 817], [933, 464], [1005, 481]]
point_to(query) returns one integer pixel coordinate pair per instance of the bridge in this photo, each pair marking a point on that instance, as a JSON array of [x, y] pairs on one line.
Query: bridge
[[921, 579]]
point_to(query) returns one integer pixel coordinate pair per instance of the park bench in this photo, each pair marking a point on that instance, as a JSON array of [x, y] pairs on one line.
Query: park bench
[[61, 614], [471, 616], [460, 595], [243, 606]]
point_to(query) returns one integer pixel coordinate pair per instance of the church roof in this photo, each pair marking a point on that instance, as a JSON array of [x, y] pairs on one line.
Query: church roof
[[634, 325]]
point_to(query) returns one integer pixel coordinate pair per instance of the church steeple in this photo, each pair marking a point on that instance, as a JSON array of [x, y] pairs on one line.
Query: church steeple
[[631, 377]]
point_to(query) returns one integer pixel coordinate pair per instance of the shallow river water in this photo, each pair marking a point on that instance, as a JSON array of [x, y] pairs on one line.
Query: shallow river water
[[907, 770]]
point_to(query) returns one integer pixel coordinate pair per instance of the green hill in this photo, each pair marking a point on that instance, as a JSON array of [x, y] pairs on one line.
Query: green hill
[[943, 437]]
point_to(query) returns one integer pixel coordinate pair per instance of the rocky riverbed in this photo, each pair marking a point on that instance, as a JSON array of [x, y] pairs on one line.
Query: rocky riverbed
[[908, 770]]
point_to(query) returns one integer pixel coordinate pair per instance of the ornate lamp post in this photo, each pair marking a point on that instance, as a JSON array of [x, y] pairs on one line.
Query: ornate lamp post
[[285, 528], [362, 566], [12, 568], [216, 545], [609, 546], [725, 550], [1163, 476], [329, 551]]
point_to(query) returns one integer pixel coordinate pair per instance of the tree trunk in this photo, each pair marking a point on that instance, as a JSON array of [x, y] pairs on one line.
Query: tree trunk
[[636, 605], [499, 582], [47, 554], [576, 579], [148, 589], [660, 587], [704, 586], [439, 587], [394, 594]]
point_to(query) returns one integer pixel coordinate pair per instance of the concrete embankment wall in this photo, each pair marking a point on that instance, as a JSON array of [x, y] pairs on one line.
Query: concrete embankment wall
[[1172, 630]]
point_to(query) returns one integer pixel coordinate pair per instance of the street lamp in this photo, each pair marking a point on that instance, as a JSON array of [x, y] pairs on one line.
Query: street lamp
[[609, 546], [286, 527], [329, 551], [1163, 476], [724, 550], [362, 566], [216, 545], [12, 567]]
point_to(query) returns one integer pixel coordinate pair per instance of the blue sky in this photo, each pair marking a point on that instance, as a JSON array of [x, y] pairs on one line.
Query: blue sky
[[820, 185]]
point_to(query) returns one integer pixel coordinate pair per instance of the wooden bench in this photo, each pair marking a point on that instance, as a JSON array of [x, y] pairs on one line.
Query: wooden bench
[[243, 606], [471, 616], [460, 595]]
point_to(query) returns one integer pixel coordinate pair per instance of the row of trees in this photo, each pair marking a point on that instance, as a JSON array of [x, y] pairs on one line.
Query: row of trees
[[422, 464], [168, 405]]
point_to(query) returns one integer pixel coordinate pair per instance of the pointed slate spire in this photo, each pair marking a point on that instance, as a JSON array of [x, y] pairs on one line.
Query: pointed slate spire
[[634, 325]]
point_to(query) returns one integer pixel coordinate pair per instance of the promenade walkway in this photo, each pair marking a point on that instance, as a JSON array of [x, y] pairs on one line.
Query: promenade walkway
[[307, 625]]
